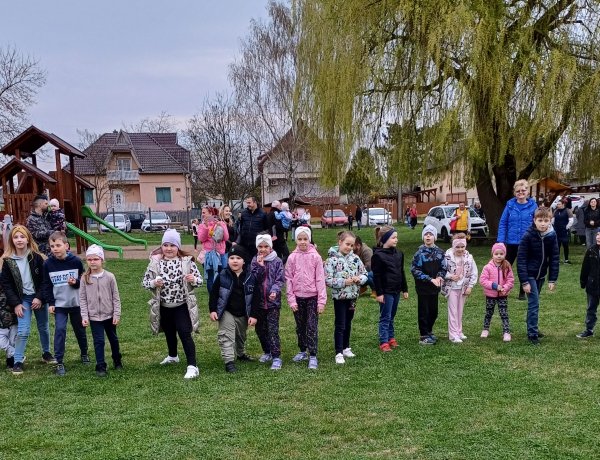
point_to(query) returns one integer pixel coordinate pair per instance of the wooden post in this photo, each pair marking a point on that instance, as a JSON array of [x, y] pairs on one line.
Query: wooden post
[[77, 219], [60, 195]]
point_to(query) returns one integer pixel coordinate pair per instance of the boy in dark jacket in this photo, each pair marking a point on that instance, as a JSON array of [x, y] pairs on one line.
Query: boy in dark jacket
[[590, 281], [429, 270], [233, 303], [538, 254]]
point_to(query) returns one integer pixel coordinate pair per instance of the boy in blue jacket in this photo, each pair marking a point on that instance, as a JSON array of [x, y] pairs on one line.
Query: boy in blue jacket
[[60, 288], [538, 255]]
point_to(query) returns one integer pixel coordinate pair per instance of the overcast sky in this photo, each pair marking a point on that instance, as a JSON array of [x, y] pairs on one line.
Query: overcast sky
[[111, 62]]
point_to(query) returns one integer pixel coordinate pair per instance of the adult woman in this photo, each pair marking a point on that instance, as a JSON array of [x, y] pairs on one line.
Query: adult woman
[[562, 221], [212, 234], [591, 217], [226, 216], [579, 224], [516, 218], [413, 216]]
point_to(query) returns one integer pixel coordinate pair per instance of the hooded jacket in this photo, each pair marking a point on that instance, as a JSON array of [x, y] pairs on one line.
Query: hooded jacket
[[55, 288], [537, 254], [340, 267], [219, 295], [428, 263], [305, 276], [270, 278], [590, 271], [205, 236], [492, 275], [388, 271], [516, 219], [469, 274]]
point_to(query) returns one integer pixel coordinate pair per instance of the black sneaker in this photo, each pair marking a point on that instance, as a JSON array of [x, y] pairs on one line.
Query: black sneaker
[[60, 370], [230, 367], [85, 359], [568, 262], [522, 297], [10, 363], [48, 358], [17, 369], [533, 340], [541, 335], [118, 363], [585, 334], [245, 357], [101, 370]]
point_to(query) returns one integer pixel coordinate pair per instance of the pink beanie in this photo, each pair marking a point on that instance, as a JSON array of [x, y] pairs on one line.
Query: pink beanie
[[498, 247]]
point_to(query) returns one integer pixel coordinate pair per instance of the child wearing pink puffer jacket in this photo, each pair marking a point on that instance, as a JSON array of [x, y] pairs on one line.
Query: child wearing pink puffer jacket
[[497, 280]]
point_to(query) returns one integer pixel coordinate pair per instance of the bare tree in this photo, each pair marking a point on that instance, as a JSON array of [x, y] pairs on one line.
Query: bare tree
[[20, 78], [221, 160], [163, 123]]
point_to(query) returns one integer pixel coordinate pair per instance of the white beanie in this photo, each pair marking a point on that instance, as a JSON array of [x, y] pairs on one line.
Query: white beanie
[[54, 202], [95, 250], [264, 239], [303, 229], [429, 229], [172, 236]]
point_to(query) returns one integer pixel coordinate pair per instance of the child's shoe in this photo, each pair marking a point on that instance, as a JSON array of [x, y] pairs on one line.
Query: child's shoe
[[48, 358], [585, 334], [170, 360], [85, 359], [385, 347], [339, 359], [463, 336], [347, 352], [17, 369], [312, 362], [245, 357], [60, 370], [118, 363], [101, 370], [302, 356], [10, 363], [265, 358], [192, 372], [276, 365], [533, 340], [426, 340], [485, 334], [456, 340], [507, 337], [392, 343], [230, 367], [433, 337]]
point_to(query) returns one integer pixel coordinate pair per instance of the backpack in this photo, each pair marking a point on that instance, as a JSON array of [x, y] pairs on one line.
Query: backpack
[[218, 233]]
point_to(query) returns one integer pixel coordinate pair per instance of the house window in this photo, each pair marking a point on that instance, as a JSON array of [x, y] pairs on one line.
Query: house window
[[124, 164], [163, 194], [88, 196]]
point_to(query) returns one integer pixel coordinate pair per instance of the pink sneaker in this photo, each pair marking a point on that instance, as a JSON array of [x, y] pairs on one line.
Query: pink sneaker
[[484, 334], [507, 337]]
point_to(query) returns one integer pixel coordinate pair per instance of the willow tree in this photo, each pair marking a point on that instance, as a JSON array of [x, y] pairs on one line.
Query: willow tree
[[520, 79]]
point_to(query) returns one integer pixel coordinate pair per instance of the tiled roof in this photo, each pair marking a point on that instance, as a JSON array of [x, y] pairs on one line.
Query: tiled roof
[[157, 153]]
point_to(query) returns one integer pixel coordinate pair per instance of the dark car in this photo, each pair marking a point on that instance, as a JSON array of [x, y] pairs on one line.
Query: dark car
[[136, 219]]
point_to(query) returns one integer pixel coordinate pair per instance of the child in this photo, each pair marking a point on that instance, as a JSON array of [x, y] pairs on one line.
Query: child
[[101, 307], [389, 280], [234, 304], [344, 273], [429, 270], [267, 268], [8, 330], [538, 254], [56, 216], [21, 279], [460, 279], [306, 294], [590, 281], [195, 224], [497, 281], [350, 220], [172, 273], [62, 273]]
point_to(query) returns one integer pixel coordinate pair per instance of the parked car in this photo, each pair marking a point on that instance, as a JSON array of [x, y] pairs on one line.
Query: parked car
[[440, 217], [136, 218], [119, 221], [333, 218], [160, 221], [377, 216], [576, 200]]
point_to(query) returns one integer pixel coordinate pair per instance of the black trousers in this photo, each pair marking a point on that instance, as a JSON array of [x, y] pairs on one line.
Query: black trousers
[[344, 313], [427, 307], [176, 321]]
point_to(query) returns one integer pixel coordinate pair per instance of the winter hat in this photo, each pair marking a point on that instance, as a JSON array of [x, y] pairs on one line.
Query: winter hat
[[172, 236], [237, 250], [429, 229], [95, 250], [264, 239], [498, 247], [54, 202], [303, 229], [387, 235]]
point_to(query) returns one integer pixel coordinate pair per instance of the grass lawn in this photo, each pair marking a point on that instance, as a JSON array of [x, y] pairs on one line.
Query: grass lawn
[[479, 399]]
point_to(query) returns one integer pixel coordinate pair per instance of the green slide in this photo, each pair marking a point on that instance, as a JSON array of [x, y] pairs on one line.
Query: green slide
[[87, 212], [91, 239]]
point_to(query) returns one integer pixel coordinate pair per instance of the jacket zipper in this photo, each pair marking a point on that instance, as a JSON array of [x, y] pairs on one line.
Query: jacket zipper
[[543, 258]]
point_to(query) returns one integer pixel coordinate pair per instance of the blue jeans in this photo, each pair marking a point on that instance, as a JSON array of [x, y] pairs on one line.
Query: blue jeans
[[98, 330], [370, 281], [24, 328], [61, 316], [387, 313], [533, 306], [590, 237], [210, 274]]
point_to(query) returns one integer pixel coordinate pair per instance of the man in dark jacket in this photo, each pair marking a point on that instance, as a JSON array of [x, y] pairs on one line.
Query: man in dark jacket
[[37, 224], [358, 216], [589, 280], [252, 221]]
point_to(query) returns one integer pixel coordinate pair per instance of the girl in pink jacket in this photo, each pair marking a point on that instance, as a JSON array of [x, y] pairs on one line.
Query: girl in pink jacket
[[497, 280], [213, 235], [306, 294]]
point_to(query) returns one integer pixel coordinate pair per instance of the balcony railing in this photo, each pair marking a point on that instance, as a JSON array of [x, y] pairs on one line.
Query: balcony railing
[[123, 175]]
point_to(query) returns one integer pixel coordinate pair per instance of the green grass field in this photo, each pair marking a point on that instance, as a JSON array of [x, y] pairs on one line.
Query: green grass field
[[479, 399]]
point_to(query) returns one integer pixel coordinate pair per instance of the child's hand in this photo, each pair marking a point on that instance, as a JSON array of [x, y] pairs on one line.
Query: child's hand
[[116, 321], [36, 304], [189, 278], [85, 323], [349, 281], [260, 260], [272, 296], [379, 298], [251, 321], [51, 309], [527, 288], [551, 286], [320, 309], [294, 308], [436, 282], [19, 311], [71, 281], [455, 277], [158, 282], [405, 295], [214, 316], [468, 291]]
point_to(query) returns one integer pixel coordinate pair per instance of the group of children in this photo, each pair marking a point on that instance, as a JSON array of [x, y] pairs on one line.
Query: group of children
[[249, 292]]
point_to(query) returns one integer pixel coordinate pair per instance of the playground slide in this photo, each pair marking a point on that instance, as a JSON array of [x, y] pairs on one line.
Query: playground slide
[[91, 239], [87, 212]]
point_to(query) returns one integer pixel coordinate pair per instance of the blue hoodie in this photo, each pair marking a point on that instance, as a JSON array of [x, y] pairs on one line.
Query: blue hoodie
[[56, 290]]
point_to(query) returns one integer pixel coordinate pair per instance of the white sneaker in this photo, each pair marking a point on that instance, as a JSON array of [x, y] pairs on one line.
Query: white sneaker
[[347, 352], [456, 340], [277, 363], [170, 360], [192, 372], [484, 334], [463, 337], [265, 358], [506, 337], [339, 359]]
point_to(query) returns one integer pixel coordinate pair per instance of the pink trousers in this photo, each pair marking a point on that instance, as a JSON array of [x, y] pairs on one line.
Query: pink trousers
[[456, 302]]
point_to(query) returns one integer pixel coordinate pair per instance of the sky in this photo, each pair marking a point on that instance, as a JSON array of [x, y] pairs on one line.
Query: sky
[[111, 62]]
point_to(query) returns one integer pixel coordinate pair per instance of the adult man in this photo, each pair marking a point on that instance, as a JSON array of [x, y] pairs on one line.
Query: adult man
[[38, 225], [358, 216], [252, 221], [277, 232]]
